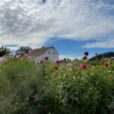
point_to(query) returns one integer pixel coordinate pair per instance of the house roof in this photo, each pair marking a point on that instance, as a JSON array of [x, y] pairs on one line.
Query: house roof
[[39, 51]]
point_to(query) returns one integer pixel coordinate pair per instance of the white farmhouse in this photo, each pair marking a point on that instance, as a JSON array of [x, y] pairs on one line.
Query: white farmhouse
[[41, 54]]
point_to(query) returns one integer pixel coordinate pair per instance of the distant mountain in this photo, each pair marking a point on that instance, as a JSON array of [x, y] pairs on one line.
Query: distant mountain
[[103, 55]]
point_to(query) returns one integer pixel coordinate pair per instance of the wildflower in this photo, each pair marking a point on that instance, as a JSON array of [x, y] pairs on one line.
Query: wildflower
[[85, 58], [106, 64], [83, 66], [86, 53]]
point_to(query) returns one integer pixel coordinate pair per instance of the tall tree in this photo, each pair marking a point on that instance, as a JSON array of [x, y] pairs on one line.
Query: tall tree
[[4, 51], [25, 49]]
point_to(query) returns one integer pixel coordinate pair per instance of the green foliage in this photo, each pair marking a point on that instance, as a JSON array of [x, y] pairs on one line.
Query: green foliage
[[25, 49], [104, 55], [22, 88], [28, 88], [4, 51], [83, 91]]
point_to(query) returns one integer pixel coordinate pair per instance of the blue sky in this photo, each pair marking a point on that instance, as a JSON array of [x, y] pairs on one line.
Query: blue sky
[[74, 49], [71, 26]]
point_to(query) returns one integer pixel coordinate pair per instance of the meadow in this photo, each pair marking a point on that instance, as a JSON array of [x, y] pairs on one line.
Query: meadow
[[77, 87]]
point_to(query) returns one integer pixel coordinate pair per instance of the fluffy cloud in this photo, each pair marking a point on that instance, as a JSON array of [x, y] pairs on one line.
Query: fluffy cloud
[[34, 22], [109, 43]]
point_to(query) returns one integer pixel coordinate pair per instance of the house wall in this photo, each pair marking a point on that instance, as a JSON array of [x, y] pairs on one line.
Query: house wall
[[52, 55], [3, 59]]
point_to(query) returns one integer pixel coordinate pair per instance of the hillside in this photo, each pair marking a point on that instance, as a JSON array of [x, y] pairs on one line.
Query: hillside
[[103, 55]]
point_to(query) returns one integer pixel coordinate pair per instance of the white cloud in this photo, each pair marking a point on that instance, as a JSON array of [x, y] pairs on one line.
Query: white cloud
[[32, 22], [101, 44]]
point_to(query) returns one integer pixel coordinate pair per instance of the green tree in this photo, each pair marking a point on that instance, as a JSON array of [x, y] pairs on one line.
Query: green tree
[[4, 51], [25, 49]]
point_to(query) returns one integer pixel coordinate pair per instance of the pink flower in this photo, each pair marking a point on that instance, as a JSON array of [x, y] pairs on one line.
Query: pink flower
[[83, 66]]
